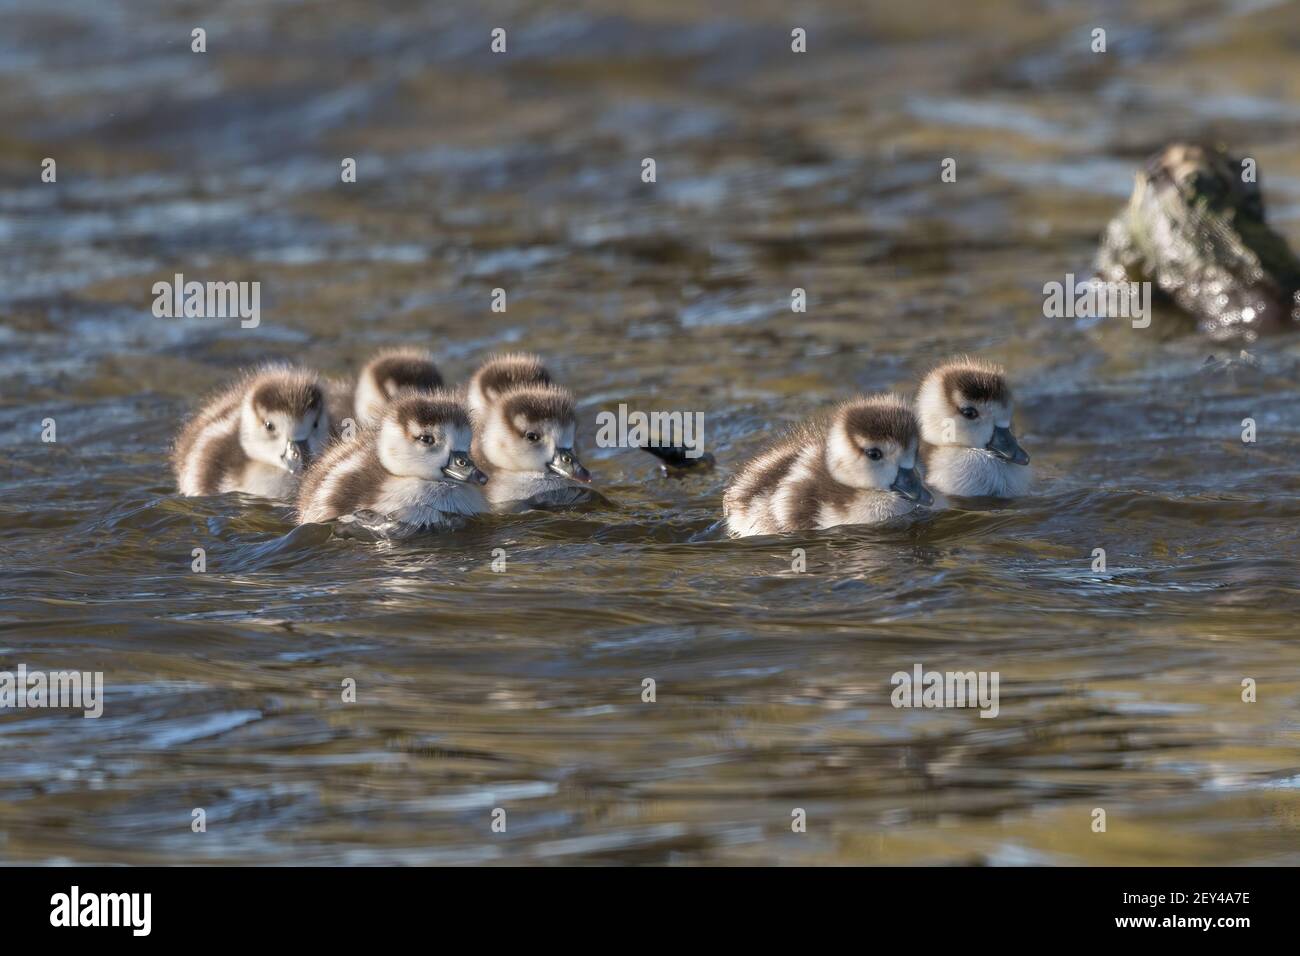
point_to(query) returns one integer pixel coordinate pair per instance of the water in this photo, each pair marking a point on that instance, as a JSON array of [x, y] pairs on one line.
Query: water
[[521, 690]]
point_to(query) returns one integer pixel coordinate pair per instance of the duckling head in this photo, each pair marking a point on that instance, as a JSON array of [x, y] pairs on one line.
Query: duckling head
[[871, 445], [427, 436], [532, 430], [389, 373], [501, 374], [967, 403], [283, 421]]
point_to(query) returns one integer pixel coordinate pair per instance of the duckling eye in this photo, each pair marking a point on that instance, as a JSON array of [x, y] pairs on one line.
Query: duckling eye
[[533, 436], [875, 454], [970, 412]]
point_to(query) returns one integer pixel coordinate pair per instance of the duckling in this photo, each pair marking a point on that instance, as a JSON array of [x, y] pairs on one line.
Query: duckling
[[965, 408], [338, 401], [859, 468], [500, 374], [524, 439], [388, 373], [256, 436], [413, 467]]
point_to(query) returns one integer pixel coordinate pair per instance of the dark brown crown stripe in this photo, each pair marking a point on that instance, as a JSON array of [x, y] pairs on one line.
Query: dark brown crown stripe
[[503, 375], [406, 371], [882, 423], [976, 385], [540, 405], [429, 412], [290, 395]]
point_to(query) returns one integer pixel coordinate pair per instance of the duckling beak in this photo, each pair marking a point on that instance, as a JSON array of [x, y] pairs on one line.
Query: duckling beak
[[1004, 445], [908, 484], [296, 456], [462, 468], [566, 464]]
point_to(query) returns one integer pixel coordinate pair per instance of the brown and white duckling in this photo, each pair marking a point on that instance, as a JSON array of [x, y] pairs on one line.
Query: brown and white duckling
[[965, 408], [501, 374], [858, 468], [388, 374], [524, 440], [414, 467], [256, 436]]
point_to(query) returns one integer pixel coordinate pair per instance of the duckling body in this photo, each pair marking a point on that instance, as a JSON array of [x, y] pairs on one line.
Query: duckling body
[[257, 436], [533, 490], [524, 441], [338, 399], [858, 468], [412, 467], [965, 410], [973, 473]]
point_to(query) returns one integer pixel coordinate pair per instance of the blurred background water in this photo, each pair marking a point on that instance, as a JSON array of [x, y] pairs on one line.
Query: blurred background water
[[522, 690]]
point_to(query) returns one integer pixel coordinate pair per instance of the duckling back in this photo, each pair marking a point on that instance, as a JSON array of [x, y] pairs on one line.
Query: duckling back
[[758, 501], [344, 481]]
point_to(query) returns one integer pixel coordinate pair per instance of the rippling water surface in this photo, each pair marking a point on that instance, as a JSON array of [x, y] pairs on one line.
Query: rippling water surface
[[522, 690]]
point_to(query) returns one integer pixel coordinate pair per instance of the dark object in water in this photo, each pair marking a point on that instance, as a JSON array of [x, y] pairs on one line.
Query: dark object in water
[[1195, 227], [674, 459]]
